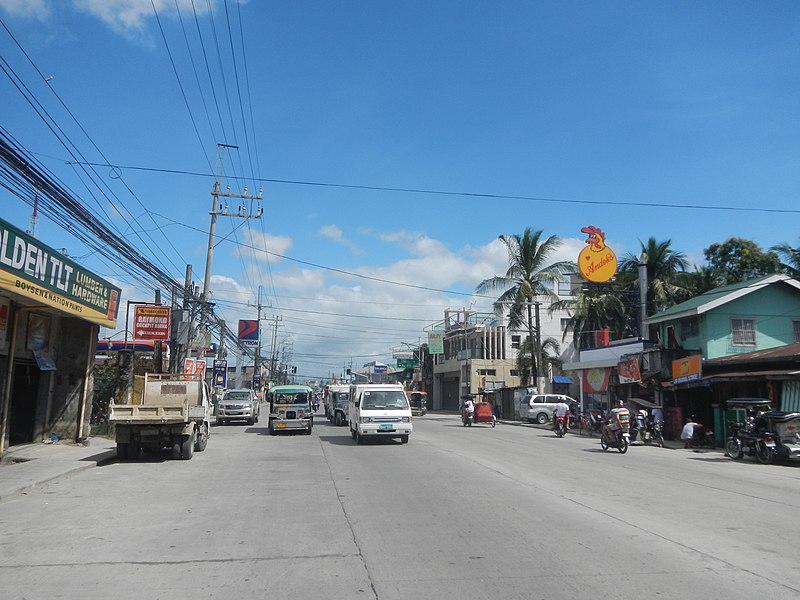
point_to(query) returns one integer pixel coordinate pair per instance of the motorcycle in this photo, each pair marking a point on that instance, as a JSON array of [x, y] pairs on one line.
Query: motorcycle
[[592, 422], [467, 419], [560, 425], [746, 440], [703, 438], [752, 436], [655, 434], [620, 441]]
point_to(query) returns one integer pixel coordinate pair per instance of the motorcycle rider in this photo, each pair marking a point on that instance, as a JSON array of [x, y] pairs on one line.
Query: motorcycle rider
[[618, 417], [468, 409], [561, 411]]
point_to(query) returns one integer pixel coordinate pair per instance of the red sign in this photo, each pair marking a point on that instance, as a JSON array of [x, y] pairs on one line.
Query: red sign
[[595, 380], [188, 366], [151, 322], [248, 332]]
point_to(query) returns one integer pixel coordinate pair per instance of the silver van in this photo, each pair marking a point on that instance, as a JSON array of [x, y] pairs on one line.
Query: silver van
[[538, 408]]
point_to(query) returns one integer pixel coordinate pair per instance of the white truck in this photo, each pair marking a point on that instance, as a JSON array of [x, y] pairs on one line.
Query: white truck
[[379, 410], [173, 411]]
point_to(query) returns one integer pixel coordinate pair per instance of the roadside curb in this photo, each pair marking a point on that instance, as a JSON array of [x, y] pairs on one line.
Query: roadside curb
[[34, 482]]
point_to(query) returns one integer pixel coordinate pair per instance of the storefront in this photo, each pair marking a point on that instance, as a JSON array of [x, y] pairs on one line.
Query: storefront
[[50, 312]]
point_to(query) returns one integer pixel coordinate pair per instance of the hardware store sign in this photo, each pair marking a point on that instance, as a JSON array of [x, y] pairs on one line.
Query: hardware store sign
[[36, 271]]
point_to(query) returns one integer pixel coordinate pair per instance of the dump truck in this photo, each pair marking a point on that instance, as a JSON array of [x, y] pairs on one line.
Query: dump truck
[[173, 411]]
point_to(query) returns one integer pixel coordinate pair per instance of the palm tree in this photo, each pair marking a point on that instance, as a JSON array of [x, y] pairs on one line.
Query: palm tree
[[594, 310], [662, 264], [790, 258], [551, 352], [529, 276]]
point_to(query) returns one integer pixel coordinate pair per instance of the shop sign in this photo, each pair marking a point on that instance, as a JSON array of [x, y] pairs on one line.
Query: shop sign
[[597, 262], [36, 271], [686, 369], [151, 322], [628, 370], [435, 342], [596, 380]]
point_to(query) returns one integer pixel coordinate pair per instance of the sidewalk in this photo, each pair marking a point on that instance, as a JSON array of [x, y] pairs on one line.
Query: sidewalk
[[27, 466]]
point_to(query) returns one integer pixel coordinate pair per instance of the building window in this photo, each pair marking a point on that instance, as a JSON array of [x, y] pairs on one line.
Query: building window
[[514, 373], [796, 329], [689, 328], [743, 332], [516, 341], [487, 372]]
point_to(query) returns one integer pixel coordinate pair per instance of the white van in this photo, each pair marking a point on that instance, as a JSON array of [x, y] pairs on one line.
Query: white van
[[538, 408], [379, 410]]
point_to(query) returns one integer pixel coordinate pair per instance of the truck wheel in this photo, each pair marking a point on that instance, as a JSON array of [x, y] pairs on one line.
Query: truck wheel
[[339, 420], [352, 434], [187, 445], [122, 450], [202, 440], [251, 421], [404, 439], [271, 429], [359, 439], [308, 431]]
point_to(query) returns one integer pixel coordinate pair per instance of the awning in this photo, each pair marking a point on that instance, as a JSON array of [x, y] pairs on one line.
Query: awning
[[561, 379], [643, 402]]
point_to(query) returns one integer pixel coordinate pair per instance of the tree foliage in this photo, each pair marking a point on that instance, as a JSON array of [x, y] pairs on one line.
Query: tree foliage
[[738, 259], [530, 274], [789, 257]]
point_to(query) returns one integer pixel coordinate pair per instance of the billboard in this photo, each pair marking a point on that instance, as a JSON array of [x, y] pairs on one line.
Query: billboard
[[36, 271], [436, 342], [248, 332], [687, 369]]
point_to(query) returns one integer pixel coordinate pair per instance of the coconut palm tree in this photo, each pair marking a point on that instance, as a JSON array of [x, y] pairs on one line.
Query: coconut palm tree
[[529, 275], [551, 352], [594, 310], [662, 264], [790, 258]]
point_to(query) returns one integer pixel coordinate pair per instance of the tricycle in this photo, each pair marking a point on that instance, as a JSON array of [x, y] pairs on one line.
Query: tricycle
[[484, 413], [785, 426]]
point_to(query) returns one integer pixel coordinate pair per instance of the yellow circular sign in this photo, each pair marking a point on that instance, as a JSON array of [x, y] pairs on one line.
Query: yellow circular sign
[[597, 262]]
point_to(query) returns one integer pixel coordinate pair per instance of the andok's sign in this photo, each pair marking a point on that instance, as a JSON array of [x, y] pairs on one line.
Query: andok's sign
[[597, 262], [34, 270]]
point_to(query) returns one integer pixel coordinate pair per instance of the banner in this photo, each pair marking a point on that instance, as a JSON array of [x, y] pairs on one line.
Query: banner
[[596, 380], [36, 271], [628, 370]]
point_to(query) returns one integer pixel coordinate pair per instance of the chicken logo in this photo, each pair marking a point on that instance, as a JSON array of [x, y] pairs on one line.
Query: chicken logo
[[597, 262]]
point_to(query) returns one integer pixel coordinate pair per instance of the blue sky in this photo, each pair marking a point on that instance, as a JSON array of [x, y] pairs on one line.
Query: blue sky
[[597, 104]]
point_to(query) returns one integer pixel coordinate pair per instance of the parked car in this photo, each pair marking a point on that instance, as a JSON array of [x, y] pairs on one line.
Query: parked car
[[538, 408], [238, 405]]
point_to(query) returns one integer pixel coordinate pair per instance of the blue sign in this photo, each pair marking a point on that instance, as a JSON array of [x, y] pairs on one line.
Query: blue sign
[[379, 369], [220, 375]]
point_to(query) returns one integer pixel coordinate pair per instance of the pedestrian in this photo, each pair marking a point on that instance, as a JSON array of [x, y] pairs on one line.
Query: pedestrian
[[687, 433]]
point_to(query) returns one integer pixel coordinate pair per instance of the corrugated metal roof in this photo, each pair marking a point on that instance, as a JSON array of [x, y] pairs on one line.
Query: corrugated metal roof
[[788, 351]]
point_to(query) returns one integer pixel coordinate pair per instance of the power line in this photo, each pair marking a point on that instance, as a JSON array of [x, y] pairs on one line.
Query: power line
[[404, 190]]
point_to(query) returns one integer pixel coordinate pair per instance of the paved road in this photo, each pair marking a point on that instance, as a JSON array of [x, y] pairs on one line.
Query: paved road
[[510, 512]]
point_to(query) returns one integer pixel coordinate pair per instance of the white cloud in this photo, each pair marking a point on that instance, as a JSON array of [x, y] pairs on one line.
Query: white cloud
[[31, 9], [335, 233], [131, 17], [263, 247]]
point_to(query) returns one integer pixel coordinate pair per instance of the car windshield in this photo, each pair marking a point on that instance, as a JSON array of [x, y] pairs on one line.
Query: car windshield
[[237, 397], [291, 398], [384, 399]]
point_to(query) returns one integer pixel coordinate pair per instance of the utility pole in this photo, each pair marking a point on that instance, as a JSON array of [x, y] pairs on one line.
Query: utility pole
[[221, 210], [257, 360], [274, 346]]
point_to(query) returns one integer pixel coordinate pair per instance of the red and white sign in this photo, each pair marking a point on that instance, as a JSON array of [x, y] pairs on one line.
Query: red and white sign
[[188, 366], [151, 322], [194, 366]]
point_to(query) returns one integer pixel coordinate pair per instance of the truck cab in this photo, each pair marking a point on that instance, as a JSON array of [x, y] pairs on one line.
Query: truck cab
[[379, 410]]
